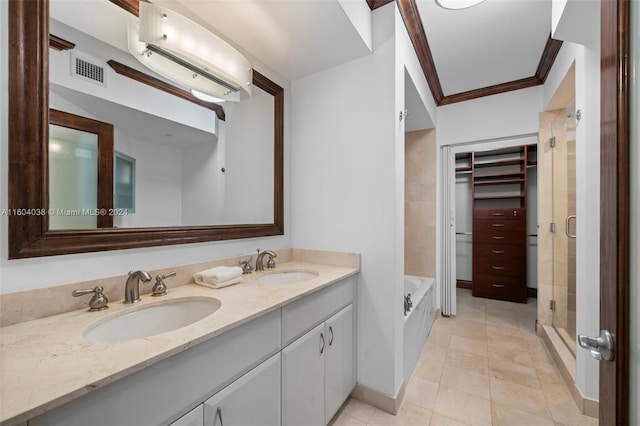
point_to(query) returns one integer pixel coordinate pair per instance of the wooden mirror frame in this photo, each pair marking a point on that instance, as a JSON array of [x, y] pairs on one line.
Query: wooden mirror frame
[[29, 235]]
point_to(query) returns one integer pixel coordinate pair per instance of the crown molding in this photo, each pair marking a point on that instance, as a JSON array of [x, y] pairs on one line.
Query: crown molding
[[413, 22], [374, 4], [151, 81], [547, 59], [59, 43]]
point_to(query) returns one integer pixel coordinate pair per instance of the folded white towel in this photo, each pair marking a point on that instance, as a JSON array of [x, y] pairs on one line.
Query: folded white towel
[[220, 284], [218, 274]]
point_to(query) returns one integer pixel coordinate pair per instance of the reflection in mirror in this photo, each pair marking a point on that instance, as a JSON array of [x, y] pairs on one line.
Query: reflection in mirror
[[73, 178], [31, 61], [191, 168], [80, 152]]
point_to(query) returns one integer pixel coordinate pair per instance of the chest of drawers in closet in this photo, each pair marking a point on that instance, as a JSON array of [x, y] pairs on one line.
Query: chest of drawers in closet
[[499, 254]]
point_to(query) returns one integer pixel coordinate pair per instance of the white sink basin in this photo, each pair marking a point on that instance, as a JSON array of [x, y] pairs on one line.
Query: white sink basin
[[152, 319], [287, 277]]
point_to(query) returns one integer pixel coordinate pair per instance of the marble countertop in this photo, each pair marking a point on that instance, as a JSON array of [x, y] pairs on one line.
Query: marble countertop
[[45, 363]]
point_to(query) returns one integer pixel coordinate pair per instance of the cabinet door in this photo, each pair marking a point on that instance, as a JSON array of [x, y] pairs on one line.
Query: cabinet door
[[339, 361], [303, 379], [194, 417], [252, 400]]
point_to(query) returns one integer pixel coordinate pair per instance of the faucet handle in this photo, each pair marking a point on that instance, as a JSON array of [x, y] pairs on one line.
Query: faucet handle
[[98, 302], [271, 263], [246, 266], [160, 288]]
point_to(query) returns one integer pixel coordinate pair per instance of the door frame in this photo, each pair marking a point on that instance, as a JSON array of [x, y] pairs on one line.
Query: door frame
[[105, 134], [614, 202]]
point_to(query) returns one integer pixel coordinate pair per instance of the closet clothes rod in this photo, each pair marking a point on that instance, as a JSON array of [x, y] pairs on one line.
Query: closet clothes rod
[[464, 233]]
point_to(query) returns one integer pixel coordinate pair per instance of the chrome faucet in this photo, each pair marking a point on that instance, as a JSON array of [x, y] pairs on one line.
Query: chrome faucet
[[270, 263], [132, 288]]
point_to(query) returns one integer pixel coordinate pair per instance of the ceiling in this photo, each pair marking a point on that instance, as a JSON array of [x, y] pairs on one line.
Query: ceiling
[[461, 51], [491, 43], [295, 38]]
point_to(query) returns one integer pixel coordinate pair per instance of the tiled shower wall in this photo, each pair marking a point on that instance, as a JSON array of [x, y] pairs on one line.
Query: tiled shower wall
[[420, 203]]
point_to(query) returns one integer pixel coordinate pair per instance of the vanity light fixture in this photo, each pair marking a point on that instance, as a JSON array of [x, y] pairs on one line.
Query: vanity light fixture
[[188, 54], [205, 97], [457, 4]]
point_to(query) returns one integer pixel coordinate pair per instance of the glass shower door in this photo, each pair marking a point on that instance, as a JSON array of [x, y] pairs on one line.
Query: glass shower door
[[564, 218]]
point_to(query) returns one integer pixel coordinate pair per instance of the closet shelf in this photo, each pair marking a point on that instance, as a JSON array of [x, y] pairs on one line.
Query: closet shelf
[[463, 169], [498, 181], [495, 163], [498, 197]]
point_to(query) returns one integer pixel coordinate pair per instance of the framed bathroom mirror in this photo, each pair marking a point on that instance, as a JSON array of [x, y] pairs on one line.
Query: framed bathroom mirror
[[30, 230]]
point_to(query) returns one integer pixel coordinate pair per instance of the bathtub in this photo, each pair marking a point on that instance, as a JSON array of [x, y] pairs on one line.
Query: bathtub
[[418, 321]]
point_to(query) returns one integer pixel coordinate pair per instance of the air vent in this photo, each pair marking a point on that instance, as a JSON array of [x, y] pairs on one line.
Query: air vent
[[87, 68]]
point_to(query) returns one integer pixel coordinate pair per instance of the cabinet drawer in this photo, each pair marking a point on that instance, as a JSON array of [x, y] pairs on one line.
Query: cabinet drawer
[[491, 252], [499, 269], [300, 316], [252, 400], [506, 214], [496, 287], [496, 225], [486, 233]]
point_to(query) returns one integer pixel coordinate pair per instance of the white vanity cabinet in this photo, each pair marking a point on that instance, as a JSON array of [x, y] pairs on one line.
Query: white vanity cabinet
[[318, 368], [339, 365], [303, 380], [163, 392], [194, 417], [242, 377], [252, 400]]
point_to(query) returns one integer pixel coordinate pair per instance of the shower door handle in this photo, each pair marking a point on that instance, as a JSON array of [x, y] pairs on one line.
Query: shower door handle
[[602, 347], [567, 223]]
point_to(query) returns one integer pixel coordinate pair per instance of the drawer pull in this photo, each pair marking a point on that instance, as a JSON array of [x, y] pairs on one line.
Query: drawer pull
[[497, 285], [497, 214], [497, 238], [497, 251], [498, 268], [498, 225]]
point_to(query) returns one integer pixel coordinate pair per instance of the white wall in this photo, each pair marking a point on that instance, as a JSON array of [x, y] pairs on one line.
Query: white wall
[[492, 117], [243, 193], [55, 270], [348, 186], [158, 182], [343, 189], [203, 182], [249, 160]]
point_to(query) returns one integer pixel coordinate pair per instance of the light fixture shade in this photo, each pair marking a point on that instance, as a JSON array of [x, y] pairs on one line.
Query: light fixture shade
[[457, 4], [185, 52]]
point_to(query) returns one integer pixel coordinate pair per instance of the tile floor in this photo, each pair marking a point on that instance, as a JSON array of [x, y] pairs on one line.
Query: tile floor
[[486, 366]]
